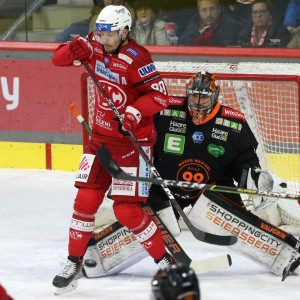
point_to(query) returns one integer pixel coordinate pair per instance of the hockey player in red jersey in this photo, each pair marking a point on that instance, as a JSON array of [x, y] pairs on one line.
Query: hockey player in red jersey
[[130, 79]]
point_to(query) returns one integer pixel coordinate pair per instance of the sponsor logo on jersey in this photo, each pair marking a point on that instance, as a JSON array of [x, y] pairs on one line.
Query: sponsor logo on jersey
[[228, 112], [103, 27], [125, 57], [124, 187], [115, 93], [103, 72], [192, 170], [233, 125], [219, 134], [215, 150], [144, 171], [133, 52], [147, 70], [175, 101], [102, 123], [118, 65], [198, 137], [161, 101], [106, 61], [174, 143], [177, 127], [85, 166], [173, 113]]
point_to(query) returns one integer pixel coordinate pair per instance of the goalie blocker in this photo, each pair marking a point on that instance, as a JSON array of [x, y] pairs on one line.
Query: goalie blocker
[[258, 240]]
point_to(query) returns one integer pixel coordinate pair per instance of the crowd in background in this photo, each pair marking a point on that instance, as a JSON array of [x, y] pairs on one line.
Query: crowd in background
[[231, 23]]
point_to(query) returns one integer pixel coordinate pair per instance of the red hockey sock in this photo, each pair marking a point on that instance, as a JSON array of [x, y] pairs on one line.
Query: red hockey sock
[[150, 237], [81, 230]]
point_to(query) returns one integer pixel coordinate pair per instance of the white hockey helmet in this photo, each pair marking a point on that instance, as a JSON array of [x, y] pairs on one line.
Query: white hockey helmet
[[114, 18]]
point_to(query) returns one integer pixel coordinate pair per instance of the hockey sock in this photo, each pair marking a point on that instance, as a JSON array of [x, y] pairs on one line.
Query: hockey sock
[[150, 237], [81, 230]]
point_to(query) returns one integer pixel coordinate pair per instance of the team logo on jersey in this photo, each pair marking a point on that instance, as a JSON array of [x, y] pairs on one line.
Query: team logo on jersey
[[228, 112], [198, 137], [193, 170], [219, 134], [215, 150], [115, 93], [233, 125], [174, 143], [147, 70], [103, 72], [133, 52], [177, 127]]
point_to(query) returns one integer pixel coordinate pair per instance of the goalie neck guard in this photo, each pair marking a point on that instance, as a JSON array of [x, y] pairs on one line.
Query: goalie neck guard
[[177, 282]]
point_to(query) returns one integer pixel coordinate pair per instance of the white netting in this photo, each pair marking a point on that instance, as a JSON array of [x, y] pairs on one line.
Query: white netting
[[271, 107]]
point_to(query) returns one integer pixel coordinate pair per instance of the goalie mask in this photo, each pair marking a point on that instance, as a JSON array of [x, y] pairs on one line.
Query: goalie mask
[[177, 282], [112, 18], [202, 93]]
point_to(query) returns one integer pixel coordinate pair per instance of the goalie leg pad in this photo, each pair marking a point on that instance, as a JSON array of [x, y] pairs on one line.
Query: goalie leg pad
[[111, 251], [259, 241], [168, 217]]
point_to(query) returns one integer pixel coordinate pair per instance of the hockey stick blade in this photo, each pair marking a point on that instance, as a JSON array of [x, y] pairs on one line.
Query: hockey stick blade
[[116, 172], [211, 264]]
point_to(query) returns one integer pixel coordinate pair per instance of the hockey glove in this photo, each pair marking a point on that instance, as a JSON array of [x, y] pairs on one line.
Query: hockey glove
[[80, 49], [132, 117], [264, 181]]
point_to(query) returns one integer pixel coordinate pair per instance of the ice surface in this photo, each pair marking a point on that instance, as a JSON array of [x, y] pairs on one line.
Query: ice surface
[[35, 212]]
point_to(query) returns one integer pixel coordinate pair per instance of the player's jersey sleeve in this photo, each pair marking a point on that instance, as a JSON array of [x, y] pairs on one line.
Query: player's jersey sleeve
[[147, 80]]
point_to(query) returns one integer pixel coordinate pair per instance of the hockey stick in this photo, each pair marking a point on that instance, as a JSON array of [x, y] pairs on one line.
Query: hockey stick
[[79, 117], [199, 266], [115, 171], [197, 233], [288, 267]]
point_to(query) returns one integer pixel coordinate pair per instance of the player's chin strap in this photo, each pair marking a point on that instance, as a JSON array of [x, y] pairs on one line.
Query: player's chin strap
[[197, 233], [121, 44]]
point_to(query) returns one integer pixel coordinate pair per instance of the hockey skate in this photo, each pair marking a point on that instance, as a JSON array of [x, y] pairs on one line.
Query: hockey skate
[[166, 261], [66, 280]]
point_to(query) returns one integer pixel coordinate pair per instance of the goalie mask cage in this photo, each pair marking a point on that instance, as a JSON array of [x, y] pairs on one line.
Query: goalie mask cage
[[271, 106]]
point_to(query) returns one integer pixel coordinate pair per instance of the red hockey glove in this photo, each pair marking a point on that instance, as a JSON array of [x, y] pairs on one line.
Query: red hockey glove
[[80, 49], [132, 117]]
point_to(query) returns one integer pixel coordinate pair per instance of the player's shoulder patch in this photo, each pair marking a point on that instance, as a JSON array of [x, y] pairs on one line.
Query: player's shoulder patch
[[230, 112]]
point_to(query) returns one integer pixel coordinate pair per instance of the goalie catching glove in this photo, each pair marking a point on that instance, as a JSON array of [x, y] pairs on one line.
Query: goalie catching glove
[[256, 179]]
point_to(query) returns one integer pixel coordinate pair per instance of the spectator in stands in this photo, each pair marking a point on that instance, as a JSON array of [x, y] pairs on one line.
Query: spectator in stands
[[82, 28], [239, 10], [292, 17], [149, 25], [210, 26], [263, 30]]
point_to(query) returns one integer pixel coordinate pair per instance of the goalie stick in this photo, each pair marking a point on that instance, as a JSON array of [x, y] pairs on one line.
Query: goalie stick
[[199, 266], [115, 171], [197, 233]]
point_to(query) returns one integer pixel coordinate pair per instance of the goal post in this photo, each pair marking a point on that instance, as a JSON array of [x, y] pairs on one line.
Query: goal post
[[271, 106]]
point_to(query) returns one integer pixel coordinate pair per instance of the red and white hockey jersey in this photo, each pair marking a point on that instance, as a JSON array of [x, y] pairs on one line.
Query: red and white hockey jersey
[[129, 79]]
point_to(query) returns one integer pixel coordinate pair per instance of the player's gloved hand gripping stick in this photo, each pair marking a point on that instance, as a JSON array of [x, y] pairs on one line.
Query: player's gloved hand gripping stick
[[197, 233]]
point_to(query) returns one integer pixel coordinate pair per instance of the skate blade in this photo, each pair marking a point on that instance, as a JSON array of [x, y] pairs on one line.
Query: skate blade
[[70, 287]]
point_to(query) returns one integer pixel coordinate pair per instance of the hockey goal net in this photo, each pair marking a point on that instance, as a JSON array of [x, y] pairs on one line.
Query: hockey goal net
[[271, 106]]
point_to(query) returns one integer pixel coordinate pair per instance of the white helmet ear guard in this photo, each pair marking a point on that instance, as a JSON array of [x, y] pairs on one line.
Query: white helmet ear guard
[[114, 18]]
